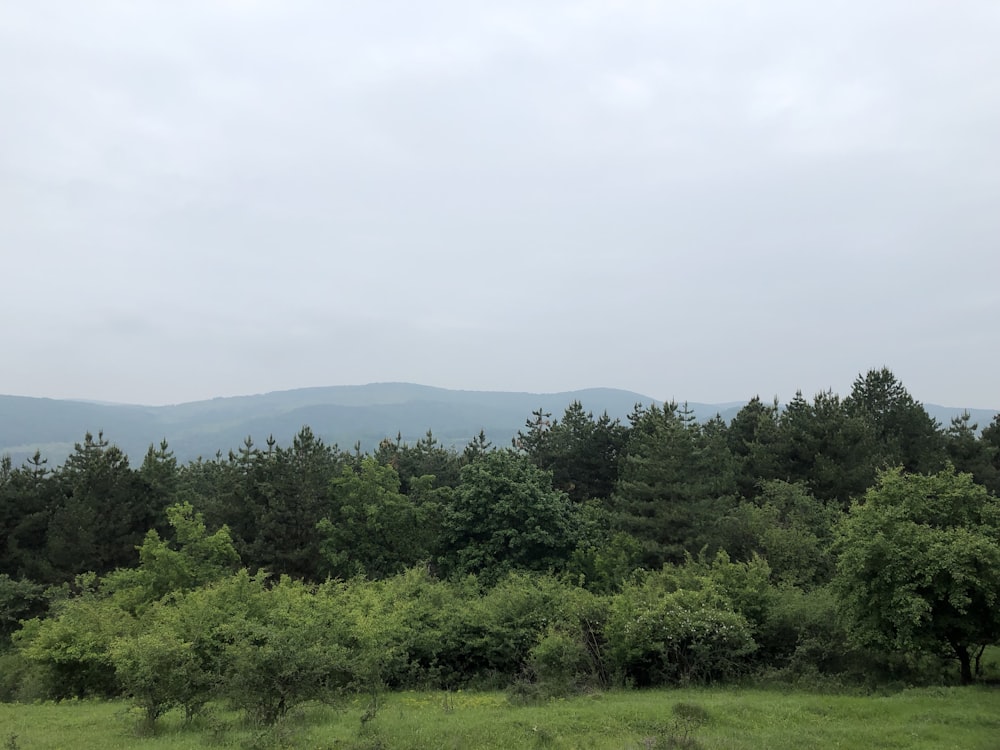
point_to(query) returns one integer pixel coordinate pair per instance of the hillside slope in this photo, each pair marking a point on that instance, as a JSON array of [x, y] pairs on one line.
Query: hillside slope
[[343, 415]]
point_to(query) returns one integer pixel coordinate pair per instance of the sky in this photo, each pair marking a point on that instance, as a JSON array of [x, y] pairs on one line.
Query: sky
[[691, 199]]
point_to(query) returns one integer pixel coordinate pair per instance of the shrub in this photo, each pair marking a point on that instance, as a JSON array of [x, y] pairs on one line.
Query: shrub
[[560, 662], [71, 647], [287, 649], [159, 671], [678, 637], [510, 618], [805, 636]]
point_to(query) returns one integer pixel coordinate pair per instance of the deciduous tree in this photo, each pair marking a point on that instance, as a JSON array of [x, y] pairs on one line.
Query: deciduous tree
[[919, 565], [506, 516]]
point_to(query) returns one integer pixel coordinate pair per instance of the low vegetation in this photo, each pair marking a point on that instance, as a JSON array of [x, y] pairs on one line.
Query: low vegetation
[[920, 719]]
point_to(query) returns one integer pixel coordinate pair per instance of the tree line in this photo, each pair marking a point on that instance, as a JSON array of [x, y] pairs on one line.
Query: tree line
[[675, 549]]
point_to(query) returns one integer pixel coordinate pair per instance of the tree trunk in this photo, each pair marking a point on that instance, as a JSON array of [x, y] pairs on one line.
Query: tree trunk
[[965, 660]]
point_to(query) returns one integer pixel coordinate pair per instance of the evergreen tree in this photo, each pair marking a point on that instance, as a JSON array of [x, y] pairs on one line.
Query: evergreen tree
[[103, 518], [158, 480], [239, 497], [426, 458], [904, 433], [293, 496], [826, 446], [754, 438], [990, 439], [582, 454], [969, 453], [478, 447], [28, 497], [677, 481]]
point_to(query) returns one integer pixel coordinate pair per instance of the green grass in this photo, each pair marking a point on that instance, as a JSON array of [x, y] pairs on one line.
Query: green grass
[[934, 718]]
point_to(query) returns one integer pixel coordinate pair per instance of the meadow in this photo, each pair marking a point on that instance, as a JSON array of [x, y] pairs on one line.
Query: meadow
[[966, 718]]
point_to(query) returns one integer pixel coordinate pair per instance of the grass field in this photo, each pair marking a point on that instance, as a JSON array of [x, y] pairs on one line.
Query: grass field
[[932, 719]]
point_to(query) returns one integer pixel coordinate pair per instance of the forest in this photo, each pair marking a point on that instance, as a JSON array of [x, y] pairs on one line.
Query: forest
[[833, 541]]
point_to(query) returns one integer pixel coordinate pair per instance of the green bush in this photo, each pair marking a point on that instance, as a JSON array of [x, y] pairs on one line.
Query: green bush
[[509, 619], [14, 671], [560, 662], [159, 670], [428, 620], [71, 647], [679, 637], [286, 649], [805, 635]]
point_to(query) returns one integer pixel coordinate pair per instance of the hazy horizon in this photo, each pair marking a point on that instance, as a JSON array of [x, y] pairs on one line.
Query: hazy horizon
[[677, 399]]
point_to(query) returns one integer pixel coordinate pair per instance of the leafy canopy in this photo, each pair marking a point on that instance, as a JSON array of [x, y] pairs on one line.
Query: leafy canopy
[[919, 566]]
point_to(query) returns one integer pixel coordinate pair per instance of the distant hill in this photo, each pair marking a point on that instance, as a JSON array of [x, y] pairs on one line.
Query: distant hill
[[339, 414], [944, 415], [343, 415]]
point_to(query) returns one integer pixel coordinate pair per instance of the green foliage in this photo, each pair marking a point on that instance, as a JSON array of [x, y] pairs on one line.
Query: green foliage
[[786, 525], [373, 528], [157, 670], [677, 479], [603, 566], [746, 586], [72, 645], [476, 448], [237, 493], [267, 648], [157, 480], [198, 624], [430, 622], [510, 569], [658, 633], [19, 600], [561, 662], [805, 639], [511, 617], [376, 631], [28, 496], [827, 446], [287, 646], [15, 678], [904, 434], [990, 438], [427, 457], [581, 453], [754, 439], [919, 565], [973, 454], [291, 494], [105, 514], [195, 558], [271, 667], [505, 516]]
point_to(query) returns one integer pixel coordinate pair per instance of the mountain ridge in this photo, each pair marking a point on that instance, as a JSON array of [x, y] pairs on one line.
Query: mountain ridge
[[341, 414]]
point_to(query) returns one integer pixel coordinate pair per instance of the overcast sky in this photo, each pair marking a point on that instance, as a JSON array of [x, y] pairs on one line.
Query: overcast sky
[[691, 199]]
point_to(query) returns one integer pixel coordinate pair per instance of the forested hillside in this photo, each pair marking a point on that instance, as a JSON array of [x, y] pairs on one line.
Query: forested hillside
[[340, 415], [838, 538]]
